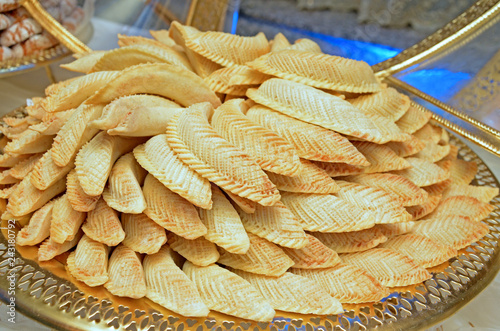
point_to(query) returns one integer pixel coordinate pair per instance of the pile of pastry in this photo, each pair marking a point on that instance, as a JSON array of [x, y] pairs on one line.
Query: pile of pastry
[[21, 35], [208, 171]]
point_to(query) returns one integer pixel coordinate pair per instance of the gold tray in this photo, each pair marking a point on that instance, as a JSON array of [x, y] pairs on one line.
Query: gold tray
[[45, 292]]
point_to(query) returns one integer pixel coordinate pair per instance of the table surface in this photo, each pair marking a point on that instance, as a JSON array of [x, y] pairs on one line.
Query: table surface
[[480, 314]]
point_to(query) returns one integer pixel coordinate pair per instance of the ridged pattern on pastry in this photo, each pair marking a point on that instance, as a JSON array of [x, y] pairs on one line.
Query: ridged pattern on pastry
[[248, 206], [464, 206], [228, 293], [349, 242], [381, 158], [276, 224], [387, 103], [317, 107], [237, 76], [161, 40], [424, 209], [433, 152], [75, 133], [408, 193], [49, 248], [263, 257], [482, 193], [79, 200], [339, 169], [89, 262], [318, 70], [422, 250], [65, 221], [462, 172], [227, 49], [315, 255], [178, 84], [294, 293], [161, 274], [455, 231], [127, 56], [385, 206], [158, 158], [312, 142], [407, 148], [45, 172], [347, 283], [389, 267], [78, 90], [198, 251], [198, 145], [413, 120], [311, 179], [327, 213], [201, 65], [271, 151], [223, 224], [126, 275], [95, 160], [123, 191], [38, 228], [396, 229], [423, 173], [26, 198], [29, 142], [142, 234], [171, 211], [103, 225]]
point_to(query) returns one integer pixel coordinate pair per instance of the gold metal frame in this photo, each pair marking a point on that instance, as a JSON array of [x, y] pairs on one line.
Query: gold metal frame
[[196, 15], [472, 22]]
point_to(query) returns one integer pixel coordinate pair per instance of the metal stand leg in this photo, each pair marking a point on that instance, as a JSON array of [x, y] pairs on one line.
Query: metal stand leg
[[49, 73]]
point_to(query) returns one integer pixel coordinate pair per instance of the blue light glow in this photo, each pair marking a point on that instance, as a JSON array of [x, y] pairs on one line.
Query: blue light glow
[[234, 23], [439, 83]]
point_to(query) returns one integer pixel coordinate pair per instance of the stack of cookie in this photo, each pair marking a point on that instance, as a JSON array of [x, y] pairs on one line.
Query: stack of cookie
[[211, 172]]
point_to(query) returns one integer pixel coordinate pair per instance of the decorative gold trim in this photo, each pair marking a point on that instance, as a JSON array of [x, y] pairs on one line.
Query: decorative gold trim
[[479, 16], [191, 11], [489, 146], [424, 96], [492, 144], [54, 28]]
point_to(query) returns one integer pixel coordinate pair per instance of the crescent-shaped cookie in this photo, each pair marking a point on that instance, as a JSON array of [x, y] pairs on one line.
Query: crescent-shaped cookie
[[199, 146], [318, 70], [167, 80]]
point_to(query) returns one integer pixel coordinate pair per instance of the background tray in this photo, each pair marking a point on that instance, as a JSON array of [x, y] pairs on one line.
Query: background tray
[[44, 57]]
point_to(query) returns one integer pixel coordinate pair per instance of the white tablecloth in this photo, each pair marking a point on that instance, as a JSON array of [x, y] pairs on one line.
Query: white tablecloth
[[482, 313]]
